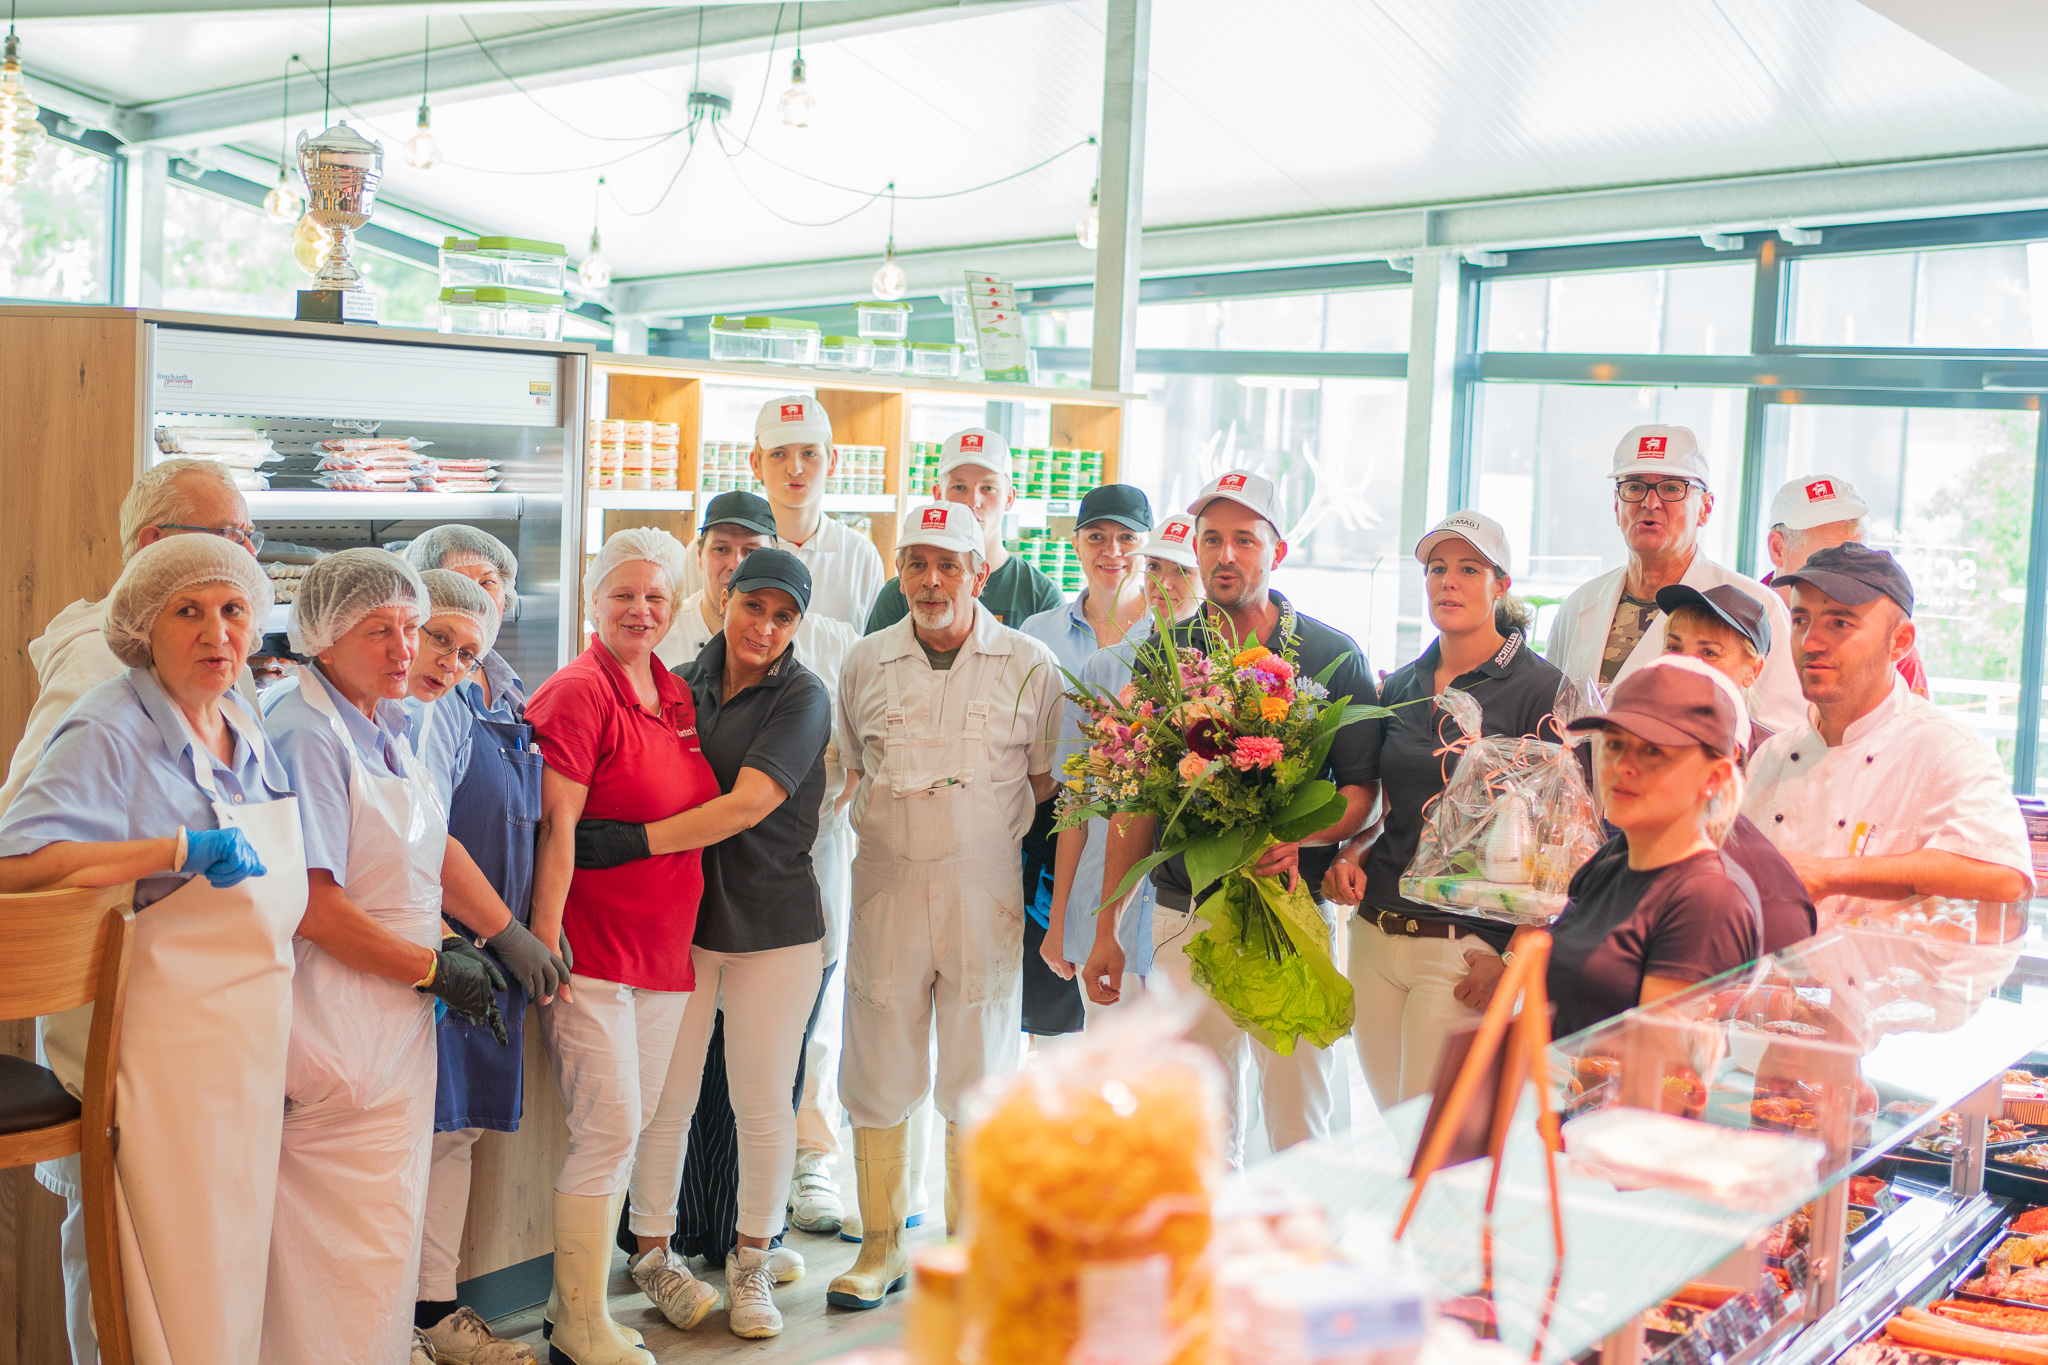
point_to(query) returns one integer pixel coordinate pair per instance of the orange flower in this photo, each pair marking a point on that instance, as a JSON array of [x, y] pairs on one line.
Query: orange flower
[[1247, 657], [1273, 708]]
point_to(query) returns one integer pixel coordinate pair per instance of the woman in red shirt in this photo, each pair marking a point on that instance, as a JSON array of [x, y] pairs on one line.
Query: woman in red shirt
[[618, 734]]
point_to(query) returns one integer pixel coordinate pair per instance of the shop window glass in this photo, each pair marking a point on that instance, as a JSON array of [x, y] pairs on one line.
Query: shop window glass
[[1981, 297], [1357, 320], [53, 228], [1951, 494], [224, 257], [1543, 452], [1685, 310], [1333, 446]]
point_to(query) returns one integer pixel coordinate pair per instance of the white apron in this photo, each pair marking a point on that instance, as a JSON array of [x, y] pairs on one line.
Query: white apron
[[358, 1124]]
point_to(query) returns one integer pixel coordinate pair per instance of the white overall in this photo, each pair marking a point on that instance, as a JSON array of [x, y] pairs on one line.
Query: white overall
[[938, 921], [200, 1092], [359, 1118]]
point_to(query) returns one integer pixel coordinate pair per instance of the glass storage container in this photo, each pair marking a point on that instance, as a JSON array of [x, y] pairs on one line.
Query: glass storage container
[[496, 312], [890, 357], [884, 319], [845, 353], [779, 341], [936, 359], [507, 262]]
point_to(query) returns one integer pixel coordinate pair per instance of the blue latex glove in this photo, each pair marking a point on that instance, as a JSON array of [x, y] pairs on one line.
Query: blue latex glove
[[224, 857]]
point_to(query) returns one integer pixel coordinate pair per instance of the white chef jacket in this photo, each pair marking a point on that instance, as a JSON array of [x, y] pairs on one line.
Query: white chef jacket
[[846, 574], [1578, 640], [1014, 674], [1906, 777]]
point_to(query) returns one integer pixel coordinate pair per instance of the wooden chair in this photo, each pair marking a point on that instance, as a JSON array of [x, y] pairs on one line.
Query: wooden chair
[[60, 950]]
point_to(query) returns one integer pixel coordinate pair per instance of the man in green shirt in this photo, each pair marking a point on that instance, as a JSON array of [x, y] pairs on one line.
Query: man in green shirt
[[974, 470]]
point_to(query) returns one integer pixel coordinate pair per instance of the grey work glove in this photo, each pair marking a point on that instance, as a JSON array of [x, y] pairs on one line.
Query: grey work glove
[[468, 982], [539, 972]]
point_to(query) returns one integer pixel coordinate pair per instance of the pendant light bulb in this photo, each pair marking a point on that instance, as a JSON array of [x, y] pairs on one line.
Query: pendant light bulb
[[1089, 230], [422, 149], [21, 133], [890, 282], [797, 104], [595, 271], [283, 204]]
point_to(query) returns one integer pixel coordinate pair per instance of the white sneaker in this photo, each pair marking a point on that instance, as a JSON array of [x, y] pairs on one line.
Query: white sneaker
[[750, 1294], [463, 1338], [668, 1284], [422, 1349], [814, 1204], [785, 1264]]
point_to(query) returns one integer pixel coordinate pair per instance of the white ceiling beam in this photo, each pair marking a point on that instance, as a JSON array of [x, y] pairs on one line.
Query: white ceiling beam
[[1920, 189], [571, 53], [101, 11]]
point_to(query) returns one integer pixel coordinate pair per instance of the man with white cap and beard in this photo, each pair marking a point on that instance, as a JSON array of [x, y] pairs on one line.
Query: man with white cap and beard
[[1814, 512], [1610, 627], [947, 721]]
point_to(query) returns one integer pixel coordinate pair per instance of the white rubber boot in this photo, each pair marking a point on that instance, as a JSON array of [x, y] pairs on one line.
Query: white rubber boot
[[919, 1125], [585, 1226], [881, 1157], [554, 1308]]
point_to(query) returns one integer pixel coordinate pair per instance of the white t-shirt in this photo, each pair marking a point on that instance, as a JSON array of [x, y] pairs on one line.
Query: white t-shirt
[[71, 658]]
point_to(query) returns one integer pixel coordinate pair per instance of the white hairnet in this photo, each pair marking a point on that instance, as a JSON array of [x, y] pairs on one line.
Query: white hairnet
[[170, 566], [446, 547], [634, 542], [345, 587], [454, 595]]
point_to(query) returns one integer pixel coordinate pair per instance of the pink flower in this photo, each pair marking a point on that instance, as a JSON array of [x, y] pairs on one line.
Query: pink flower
[[1273, 666], [1128, 695], [1193, 766], [1254, 751]]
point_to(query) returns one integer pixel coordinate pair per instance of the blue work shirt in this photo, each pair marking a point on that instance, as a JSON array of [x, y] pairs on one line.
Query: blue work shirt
[[319, 765], [444, 751], [1066, 632], [119, 766], [508, 691]]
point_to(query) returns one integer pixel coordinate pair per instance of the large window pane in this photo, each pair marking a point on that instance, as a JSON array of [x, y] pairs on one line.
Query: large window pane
[[1951, 494], [53, 228], [1980, 297], [1687, 310], [1334, 448], [1544, 452], [1349, 320]]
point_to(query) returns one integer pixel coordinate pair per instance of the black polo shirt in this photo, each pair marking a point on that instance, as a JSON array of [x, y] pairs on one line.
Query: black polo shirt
[[1354, 756], [759, 889], [1516, 690]]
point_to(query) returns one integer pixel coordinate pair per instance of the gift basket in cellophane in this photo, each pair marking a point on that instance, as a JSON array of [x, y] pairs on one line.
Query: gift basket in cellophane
[[1091, 1175], [1514, 823]]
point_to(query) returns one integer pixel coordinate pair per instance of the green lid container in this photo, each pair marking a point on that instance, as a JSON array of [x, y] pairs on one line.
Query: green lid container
[[502, 245], [936, 346], [491, 294], [761, 324]]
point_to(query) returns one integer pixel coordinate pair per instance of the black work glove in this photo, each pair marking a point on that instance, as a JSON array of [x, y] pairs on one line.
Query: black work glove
[[607, 843], [540, 972], [468, 982]]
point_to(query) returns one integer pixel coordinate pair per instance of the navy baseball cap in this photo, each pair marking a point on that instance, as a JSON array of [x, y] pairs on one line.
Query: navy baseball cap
[[773, 568], [1854, 573], [750, 510], [1123, 503], [1735, 608]]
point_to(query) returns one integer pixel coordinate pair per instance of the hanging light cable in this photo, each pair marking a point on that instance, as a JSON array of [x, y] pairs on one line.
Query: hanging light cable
[[1089, 230], [797, 104], [284, 204], [596, 271], [21, 132], [422, 151], [890, 282]]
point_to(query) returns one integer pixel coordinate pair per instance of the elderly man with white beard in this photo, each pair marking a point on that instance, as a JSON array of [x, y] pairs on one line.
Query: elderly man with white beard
[[946, 721]]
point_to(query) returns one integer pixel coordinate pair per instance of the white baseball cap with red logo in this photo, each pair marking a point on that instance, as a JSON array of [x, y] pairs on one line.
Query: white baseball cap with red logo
[[942, 525], [1815, 500], [1246, 489], [975, 446], [1173, 539], [1659, 453], [793, 419]]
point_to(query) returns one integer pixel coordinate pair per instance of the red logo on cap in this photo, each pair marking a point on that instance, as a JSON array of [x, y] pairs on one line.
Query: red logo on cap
[[934, 519], [1176, 531], [1820, 490], [970, 441], [1230, 483], [792, 412], [1651, 447]]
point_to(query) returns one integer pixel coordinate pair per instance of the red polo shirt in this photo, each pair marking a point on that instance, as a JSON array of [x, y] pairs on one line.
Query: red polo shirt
[[633, 923]]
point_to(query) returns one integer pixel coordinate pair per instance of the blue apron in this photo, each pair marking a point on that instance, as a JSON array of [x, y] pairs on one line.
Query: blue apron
[[494, 813]]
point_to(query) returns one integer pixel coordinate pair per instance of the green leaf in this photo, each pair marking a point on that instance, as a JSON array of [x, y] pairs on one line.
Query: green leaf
[[1330, 668], [1208, 859], [1140, 869], [1313, 821]]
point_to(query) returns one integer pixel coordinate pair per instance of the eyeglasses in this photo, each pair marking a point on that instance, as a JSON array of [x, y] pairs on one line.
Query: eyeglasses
[[1668, 490], [240, 535], [441, 647]]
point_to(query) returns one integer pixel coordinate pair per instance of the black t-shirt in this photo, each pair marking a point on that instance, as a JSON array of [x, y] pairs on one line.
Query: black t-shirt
[[1516, 689], [1788, 910], [1688, 920], [760, 891], [1354, 758]]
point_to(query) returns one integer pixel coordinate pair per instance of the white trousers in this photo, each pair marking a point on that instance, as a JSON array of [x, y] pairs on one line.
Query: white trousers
[[85, 1341], [447, 1212], [1295, 1091], [767, 998], [944, 952], [1405, 1007], [818, 1113], [610, 1048]]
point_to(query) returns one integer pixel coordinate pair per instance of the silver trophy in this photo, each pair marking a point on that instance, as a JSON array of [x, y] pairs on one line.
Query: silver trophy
[[341, 170]]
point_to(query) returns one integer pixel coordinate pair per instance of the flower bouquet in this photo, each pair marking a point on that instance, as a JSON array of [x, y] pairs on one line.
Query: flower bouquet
[[1224, 748]]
